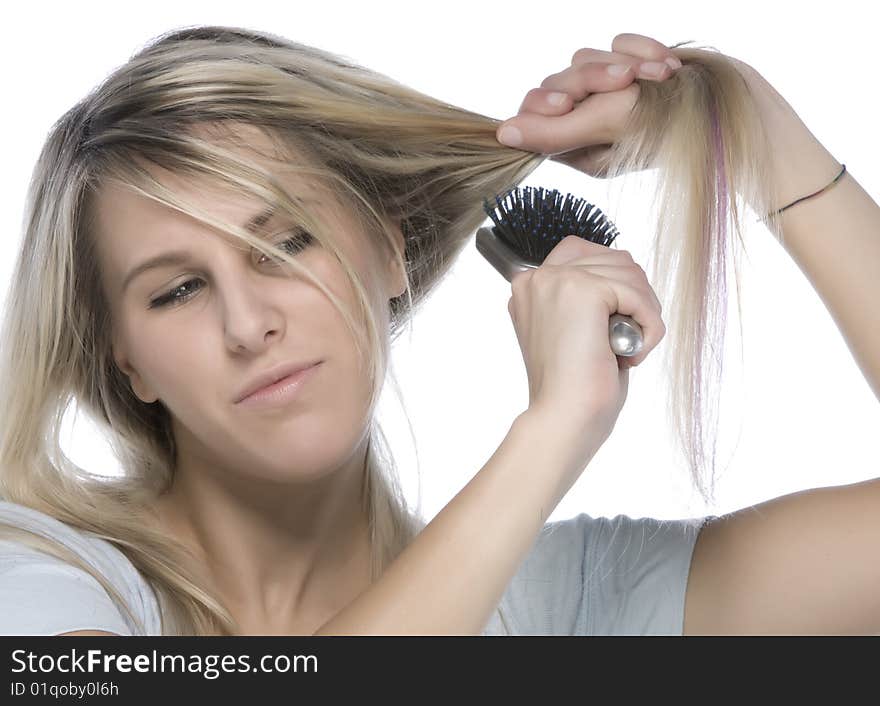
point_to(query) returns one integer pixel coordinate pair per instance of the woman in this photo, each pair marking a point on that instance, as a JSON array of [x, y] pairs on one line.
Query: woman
[[229, 207]]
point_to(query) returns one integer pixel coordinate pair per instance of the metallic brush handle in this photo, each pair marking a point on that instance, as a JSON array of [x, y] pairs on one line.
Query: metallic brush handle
[[624, 334]]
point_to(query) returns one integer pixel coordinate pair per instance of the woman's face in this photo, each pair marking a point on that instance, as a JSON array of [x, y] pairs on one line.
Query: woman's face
[[238, 315]]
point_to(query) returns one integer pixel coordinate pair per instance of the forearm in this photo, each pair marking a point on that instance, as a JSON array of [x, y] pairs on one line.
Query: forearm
[[835, 240], [450, 579], [833, 237]]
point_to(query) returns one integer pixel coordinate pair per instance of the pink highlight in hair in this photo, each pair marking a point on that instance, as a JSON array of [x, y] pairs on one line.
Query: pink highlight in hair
[[714, 275]]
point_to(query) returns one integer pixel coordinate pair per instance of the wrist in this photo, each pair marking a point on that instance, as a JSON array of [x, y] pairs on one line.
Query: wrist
[[800, 169], [568, 442], [800, 164]]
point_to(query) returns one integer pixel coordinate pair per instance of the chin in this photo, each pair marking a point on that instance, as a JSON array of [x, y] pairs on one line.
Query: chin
[[295, 462]]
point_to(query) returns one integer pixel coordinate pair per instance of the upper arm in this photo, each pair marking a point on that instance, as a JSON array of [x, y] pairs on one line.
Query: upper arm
[[42, 595], [800, 563]]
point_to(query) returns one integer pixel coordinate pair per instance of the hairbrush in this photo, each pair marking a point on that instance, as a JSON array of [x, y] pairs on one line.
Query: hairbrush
[[528, 225]]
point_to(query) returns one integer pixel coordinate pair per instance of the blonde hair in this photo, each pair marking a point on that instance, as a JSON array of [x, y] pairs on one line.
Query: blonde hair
[[388, 153]]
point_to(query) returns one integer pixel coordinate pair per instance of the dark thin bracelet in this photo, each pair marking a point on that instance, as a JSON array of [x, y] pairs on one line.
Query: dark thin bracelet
[[803, 198]]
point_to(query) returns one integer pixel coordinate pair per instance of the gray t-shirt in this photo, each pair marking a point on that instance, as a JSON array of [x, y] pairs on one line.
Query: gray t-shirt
[[583, 576]]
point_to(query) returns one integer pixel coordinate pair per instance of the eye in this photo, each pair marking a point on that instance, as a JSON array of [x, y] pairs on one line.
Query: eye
[[172, 297], [182, 292], [293, 245]]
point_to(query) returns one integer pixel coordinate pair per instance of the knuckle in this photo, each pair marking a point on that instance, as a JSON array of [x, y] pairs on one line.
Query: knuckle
[[518, 282], [656, 306], [550, 81], [621, 41], [585, 71], [581, 55], [661, 327], [570, 283], [536, 275], [543, 273]]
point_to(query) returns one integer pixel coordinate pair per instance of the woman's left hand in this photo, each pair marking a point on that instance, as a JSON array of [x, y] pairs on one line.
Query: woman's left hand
[[594, 103]]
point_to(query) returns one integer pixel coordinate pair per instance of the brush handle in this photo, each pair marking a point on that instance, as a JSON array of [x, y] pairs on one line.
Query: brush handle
[[624, 334]]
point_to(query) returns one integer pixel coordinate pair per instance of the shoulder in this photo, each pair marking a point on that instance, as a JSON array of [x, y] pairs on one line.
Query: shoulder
[[590, 575], [41, 594]]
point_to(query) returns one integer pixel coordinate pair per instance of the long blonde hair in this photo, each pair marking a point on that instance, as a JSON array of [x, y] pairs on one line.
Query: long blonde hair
[[388, 153]]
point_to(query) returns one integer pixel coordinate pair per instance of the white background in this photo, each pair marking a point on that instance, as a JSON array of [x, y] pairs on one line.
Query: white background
[[796, 413]]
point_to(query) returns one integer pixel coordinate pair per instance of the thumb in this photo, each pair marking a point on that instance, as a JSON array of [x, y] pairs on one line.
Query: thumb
[[593, 121]]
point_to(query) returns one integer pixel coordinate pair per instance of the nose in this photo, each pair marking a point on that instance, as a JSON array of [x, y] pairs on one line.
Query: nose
[[251, 319]]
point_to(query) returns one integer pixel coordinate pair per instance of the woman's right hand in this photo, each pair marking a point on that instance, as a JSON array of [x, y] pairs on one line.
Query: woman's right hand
[[561, 313]]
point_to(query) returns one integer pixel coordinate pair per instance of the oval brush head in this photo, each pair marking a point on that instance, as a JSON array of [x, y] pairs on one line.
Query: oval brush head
[[528, 225]]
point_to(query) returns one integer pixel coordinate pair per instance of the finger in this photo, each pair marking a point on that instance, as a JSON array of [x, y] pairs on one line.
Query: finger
[[570, 248], [583, 79], [642, 46], [632, 302], [622, 298], [546, 101], [580, 251], [644, 66], [587, 54], [591, 122], [625, 298], [634, 276], [573, 249]]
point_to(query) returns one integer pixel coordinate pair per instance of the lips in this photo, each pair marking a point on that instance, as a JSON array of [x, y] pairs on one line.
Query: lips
[[270, 376]]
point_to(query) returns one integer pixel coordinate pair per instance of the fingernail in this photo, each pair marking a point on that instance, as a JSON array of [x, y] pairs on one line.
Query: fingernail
[[618, 69], [555, 98], [652, 68], [510, 136], [673, 61]]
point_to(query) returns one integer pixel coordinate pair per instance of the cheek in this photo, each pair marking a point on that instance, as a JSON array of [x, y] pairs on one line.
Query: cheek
[[315, 435], [175, 363], [187, 365], [331, 273]]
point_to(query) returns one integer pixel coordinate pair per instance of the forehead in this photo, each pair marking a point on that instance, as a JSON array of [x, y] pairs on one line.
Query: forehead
[[123, 213], [132, 227], [117, 204]]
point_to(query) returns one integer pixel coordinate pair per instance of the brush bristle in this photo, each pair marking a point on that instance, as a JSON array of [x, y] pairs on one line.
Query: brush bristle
[[531, 221]]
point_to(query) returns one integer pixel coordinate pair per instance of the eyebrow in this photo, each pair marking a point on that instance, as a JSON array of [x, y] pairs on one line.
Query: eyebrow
[[177, 257]]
